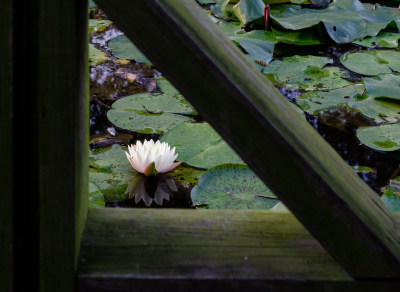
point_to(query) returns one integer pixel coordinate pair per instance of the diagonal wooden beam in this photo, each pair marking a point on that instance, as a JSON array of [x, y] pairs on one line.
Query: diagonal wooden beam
[[332, 202]]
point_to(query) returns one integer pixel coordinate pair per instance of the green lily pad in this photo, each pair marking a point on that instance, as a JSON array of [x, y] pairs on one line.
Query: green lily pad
[[98, 25], [373, 62], [391, 195], [96, 198], [387, 86], [230, 28], [258, 44], [382, 40], [123, 48], [199, 145], [217, 9], [185, 175], [110, 172], [362, 169], [300, 38], [151, 113], [96, 56], [207, 2], [382, 138], [305, 72], [249, 10], [232, 186], [350, 97], [344, 20]]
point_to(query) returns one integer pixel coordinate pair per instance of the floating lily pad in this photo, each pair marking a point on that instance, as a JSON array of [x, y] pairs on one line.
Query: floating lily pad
[[249, 10], [382, 40], [96, 198], [110, 172], [185, 175], [373, 62], [230, 28], [391, 195], [299, 38], [123, 48], [350, 97], [98, 25], [362, 169], [96, 56], [232, 186], [258, 44], [383, 138], [387, 86], [344, 20], [305, 72], [217, 10], [151, 113], [199, 145]]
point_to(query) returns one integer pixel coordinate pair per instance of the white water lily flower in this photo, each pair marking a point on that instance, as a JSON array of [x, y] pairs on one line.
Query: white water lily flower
[[151, 158]]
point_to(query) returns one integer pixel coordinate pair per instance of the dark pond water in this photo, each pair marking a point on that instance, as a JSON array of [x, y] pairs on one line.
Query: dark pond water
[[337, 127]]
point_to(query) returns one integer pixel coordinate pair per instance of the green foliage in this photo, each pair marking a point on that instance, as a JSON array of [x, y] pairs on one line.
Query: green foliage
[[385, 86], [151, 113], [258, 44], [305, 37], [96, 197], [123, 48], [248, 10], [373, 62], [391, 195], [199, 145], [351, 97], [305, 72], [382, 40], [98, 25], [96, 57], [232, 186], [110, 173], [344, 20], [382, 138]]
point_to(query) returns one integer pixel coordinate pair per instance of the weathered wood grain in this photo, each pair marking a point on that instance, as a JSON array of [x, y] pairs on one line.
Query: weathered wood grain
[[6, 149], [177, 250], [311, 179], [201, 244]]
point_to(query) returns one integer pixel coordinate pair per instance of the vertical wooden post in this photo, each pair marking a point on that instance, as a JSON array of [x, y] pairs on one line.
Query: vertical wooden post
[[63, 138], [6, 108], [50, 141]]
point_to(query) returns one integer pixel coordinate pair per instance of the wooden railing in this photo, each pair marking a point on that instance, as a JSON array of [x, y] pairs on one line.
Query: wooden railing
[[174, 249]]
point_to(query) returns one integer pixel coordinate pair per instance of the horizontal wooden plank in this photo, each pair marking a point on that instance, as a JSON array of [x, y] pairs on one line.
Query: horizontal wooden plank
[[176, 250], [334, 204], [202, 244]]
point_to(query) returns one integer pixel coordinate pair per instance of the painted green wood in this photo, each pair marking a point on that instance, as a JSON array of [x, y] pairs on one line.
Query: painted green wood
[[342, 212], [201, 244], [62, 92], [6, 153]]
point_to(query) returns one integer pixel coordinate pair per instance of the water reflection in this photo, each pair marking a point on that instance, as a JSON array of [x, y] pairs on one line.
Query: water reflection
[[151, 189]]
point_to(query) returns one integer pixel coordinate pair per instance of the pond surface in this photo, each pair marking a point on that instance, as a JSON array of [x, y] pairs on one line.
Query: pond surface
[[113, 78]]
